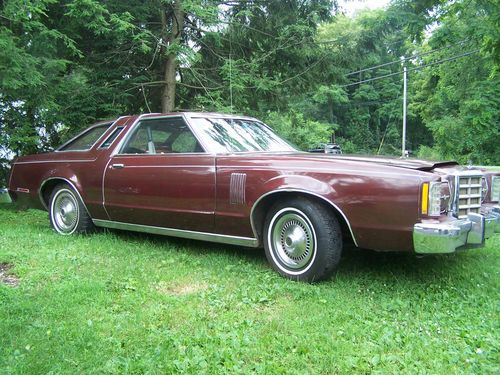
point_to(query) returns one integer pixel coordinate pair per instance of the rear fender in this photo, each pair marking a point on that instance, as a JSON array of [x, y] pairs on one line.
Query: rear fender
[[54, 178]]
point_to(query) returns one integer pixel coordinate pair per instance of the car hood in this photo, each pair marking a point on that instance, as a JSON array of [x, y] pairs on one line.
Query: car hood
[[360, 161]]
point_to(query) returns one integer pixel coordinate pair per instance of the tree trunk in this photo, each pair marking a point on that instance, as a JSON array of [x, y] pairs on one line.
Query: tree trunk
[[170, 64]]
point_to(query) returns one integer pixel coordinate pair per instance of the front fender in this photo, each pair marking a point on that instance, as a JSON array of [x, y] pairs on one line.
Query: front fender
[[299, 184]]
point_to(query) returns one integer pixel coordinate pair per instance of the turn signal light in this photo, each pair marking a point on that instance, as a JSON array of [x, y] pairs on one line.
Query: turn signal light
[[435, 198], [425, 198]]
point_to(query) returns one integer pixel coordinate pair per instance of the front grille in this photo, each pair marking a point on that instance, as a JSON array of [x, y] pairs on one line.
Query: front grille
[[469, 195]]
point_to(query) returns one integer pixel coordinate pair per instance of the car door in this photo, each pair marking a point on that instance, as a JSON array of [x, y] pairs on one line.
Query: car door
[[161, 177]]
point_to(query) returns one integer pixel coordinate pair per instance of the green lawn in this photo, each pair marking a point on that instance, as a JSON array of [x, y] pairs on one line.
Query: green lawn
[[4, 198], [126, 303]]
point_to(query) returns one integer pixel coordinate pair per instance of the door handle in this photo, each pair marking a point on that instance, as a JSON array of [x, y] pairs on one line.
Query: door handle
[[118, 166]]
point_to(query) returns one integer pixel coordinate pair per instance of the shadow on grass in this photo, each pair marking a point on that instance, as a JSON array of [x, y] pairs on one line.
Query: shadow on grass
[[355, 263], [7, 206], [400, 266], [193, 247]]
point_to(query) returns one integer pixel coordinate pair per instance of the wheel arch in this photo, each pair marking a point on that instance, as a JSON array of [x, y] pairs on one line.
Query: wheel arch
[[264, 202], [48, 185]]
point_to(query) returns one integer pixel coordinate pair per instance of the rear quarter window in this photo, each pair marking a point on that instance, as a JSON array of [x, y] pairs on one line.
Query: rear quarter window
[[86, 140]]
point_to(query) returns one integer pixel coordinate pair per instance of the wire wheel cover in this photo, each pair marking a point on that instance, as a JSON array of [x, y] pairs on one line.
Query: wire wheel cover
[[293, 240], [65, 211]]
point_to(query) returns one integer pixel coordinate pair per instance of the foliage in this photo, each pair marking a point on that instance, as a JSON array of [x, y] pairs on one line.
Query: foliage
[[459, 100], [429, 153], [119, 302], [65, 64], [305, 134]]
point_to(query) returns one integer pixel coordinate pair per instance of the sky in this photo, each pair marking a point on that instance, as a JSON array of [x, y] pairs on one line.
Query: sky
[[351, 6]]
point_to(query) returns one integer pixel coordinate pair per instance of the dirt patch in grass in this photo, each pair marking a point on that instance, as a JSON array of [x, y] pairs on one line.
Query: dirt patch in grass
[[6, 277], [181, 289]]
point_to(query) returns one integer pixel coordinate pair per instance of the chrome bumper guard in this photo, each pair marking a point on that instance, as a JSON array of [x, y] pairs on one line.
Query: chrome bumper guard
[[447, 237]]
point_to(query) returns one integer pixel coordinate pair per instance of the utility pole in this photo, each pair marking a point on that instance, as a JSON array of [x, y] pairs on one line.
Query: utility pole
[[403, 147]]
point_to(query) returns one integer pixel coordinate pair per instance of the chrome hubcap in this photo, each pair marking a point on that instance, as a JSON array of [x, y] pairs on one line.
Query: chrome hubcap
[[293, 240], [65, 212]]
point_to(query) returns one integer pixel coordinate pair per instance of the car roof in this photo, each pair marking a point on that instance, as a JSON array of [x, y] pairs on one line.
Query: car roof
[[193, 115]]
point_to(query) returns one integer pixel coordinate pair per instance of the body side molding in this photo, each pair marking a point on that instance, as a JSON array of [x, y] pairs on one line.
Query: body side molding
[[203, 236]]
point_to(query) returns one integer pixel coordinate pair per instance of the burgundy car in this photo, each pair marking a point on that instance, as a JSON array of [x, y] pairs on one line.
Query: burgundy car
[[231, 179]]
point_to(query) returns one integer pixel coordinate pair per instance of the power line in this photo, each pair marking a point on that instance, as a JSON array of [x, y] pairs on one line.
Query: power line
[[406, 58], [412, 69], [445, 60]]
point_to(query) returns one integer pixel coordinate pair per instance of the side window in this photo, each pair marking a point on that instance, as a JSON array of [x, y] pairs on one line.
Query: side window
[[185, 142], [161, 136], [86, 140]]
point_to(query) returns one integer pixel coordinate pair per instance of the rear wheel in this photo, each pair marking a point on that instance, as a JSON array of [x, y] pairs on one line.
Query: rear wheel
[[302, 240], [67, 213]]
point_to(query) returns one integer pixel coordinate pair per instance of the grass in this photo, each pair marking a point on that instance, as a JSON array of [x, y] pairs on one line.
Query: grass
[[4, 198], [120, 302]]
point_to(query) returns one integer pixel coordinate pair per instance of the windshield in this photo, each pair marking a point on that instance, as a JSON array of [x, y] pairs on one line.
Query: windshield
[[222, 135]]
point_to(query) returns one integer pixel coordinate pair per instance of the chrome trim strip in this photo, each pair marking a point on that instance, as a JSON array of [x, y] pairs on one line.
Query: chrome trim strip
[[210, 167], [219, 115], [194, 235], [169, 154], [303, 192], [102, 187], [55, 161], [69, 183]]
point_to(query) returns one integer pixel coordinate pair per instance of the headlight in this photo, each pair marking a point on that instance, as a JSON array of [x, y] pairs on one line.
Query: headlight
[[435, 198], [495, 188]]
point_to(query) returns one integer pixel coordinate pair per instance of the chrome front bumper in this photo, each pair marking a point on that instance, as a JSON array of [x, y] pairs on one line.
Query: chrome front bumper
[[447, 237]]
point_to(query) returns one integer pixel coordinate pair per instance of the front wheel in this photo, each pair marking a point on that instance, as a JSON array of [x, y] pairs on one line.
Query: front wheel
[[67, 212], [302, 240]]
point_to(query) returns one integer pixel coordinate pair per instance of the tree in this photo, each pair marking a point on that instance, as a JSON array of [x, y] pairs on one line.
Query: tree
[[177, 25], [65, 64], [369, 115], [457, 99]]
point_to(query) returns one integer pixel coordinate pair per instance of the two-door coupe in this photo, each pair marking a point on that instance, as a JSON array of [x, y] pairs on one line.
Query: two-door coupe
[[231, 179]]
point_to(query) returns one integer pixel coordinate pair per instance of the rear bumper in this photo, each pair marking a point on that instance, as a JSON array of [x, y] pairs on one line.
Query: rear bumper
[[458, 234]]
